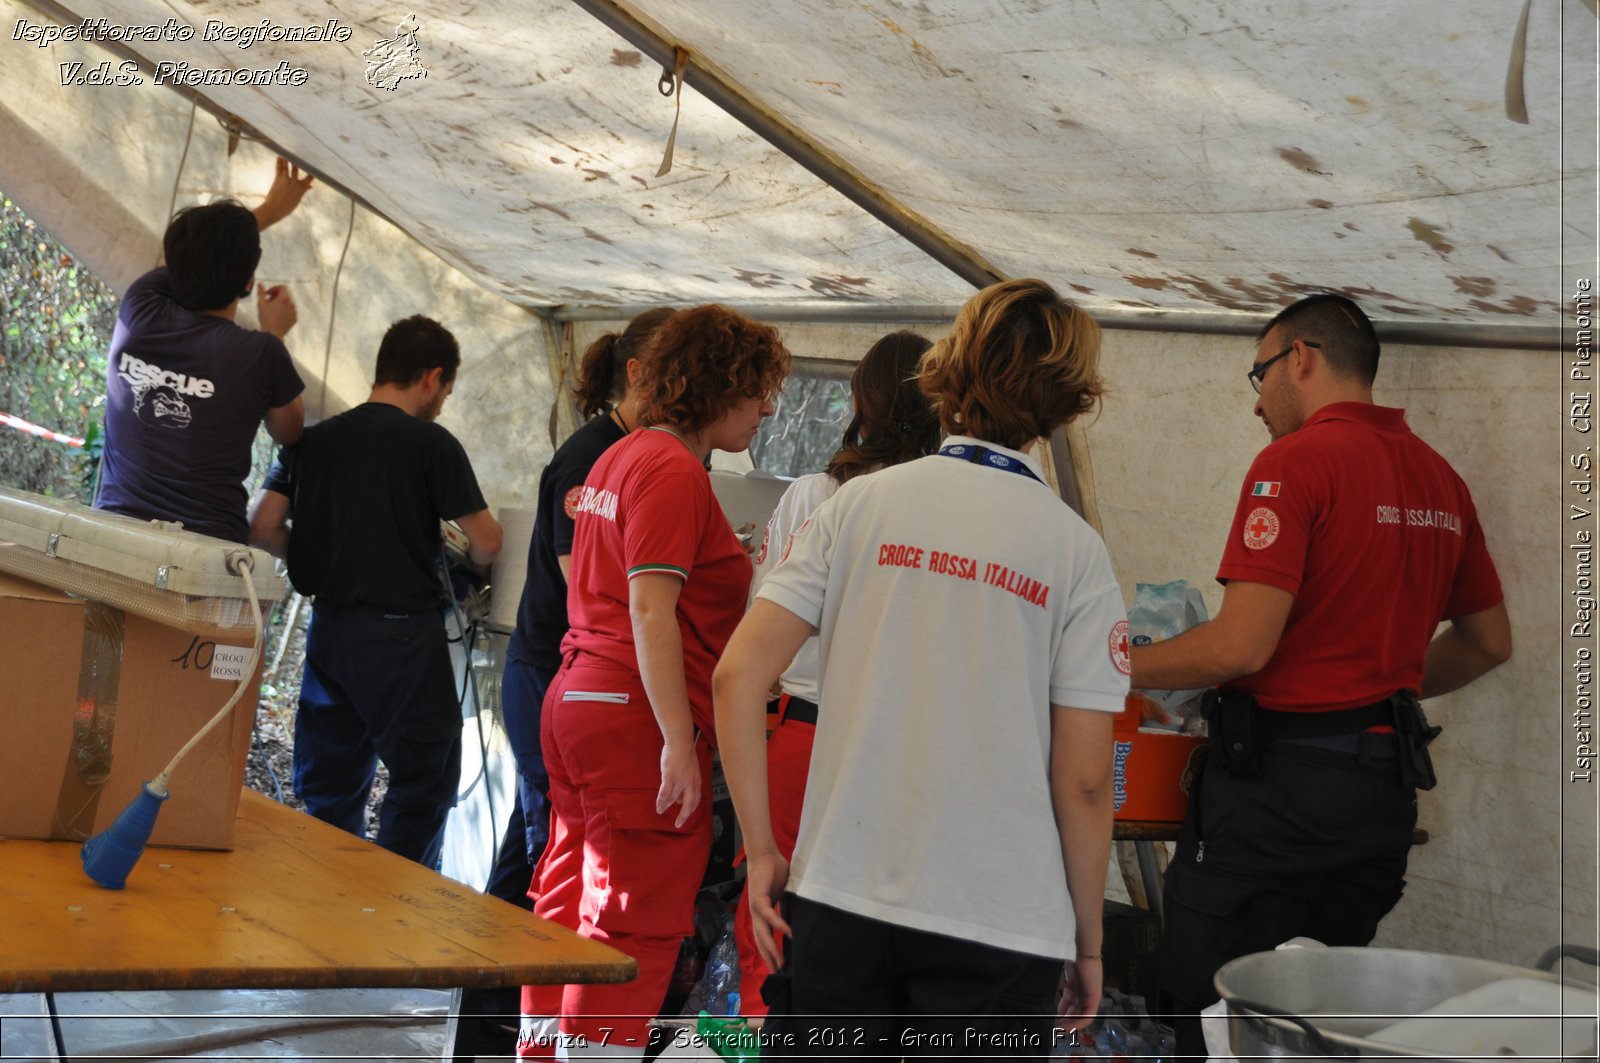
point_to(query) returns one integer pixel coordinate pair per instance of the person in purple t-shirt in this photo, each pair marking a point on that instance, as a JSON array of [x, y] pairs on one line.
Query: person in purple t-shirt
[[186, 387]]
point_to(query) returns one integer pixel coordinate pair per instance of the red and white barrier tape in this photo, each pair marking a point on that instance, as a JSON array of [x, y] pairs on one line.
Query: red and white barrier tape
[[32, 429]]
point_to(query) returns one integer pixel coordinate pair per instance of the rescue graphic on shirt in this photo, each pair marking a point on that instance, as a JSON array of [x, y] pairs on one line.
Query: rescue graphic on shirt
[[1261, 528], [158, 394], [1117, 643]]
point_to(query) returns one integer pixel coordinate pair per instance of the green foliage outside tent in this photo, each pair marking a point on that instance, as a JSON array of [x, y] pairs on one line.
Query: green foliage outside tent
[[55, 325]]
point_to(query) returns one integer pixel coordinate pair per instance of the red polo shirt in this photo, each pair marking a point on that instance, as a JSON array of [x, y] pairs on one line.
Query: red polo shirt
[[1377, 539], [647, 506]]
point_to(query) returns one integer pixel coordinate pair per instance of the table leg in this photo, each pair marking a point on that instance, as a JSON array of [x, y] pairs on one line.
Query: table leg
[[452, 1031], [1152, 878], [58, 1043]]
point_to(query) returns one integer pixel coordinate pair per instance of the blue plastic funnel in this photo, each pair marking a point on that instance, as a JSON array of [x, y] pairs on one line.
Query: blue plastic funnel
[[109, 856]]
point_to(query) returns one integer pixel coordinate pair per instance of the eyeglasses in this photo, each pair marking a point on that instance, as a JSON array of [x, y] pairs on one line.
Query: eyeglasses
[[1259, 371]]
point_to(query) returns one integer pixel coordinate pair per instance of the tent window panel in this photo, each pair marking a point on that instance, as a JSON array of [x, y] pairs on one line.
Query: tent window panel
[[807, 428]]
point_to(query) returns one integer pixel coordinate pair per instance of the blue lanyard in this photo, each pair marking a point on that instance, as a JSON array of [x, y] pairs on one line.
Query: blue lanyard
[[985, 456]]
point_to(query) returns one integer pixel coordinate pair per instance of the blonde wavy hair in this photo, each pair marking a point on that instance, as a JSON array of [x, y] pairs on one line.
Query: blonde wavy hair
[[1019, 363]]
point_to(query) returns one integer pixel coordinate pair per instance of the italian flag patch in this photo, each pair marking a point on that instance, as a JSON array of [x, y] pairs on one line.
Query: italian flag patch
[[1266, 488]]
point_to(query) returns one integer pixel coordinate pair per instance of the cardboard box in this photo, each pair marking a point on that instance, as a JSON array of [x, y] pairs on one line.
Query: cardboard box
[[94, 702]]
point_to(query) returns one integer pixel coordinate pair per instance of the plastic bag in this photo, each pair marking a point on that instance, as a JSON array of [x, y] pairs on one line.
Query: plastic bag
[[1160, 611]]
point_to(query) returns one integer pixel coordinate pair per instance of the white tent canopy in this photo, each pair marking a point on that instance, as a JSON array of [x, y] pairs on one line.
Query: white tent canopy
[[1220, 156], [1178, 167]]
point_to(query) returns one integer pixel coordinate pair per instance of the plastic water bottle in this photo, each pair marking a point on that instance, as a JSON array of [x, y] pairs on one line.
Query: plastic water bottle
[[722, 976]]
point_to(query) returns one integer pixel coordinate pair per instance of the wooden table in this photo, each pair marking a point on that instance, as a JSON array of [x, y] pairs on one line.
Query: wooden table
[[296, 904]]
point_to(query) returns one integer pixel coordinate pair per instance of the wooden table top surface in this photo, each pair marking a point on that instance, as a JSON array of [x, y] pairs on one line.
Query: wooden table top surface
[[296, 904]]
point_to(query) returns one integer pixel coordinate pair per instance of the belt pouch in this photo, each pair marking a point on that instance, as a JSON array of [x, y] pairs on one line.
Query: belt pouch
[[1235, 731], [1412, 737]]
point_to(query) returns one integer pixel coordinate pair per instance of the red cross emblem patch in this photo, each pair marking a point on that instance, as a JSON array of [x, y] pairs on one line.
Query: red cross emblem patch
[[1117, 643], [1260, 528], [570, 502]]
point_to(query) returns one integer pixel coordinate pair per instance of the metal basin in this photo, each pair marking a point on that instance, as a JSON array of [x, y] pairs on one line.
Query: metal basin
[[1325, 1003]]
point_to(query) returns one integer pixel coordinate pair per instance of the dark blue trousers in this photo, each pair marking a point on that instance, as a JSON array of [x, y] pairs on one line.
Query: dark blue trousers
[[522, 690], [378, 685], [1315, 846]]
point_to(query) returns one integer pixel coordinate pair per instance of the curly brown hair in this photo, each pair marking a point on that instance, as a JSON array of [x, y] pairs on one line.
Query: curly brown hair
[[699, 363], [1020, 362]]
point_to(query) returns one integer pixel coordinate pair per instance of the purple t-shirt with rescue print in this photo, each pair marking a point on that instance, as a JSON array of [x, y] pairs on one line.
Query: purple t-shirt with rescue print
[[185, 394]]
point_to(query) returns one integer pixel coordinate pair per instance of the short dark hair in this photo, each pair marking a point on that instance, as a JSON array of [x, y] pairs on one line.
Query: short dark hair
[[212, 252], [411, 347], [700, 362], [1339, 326]]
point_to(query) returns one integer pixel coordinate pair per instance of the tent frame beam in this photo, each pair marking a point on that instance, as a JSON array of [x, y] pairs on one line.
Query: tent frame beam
[[963, 261], [1202, 323]]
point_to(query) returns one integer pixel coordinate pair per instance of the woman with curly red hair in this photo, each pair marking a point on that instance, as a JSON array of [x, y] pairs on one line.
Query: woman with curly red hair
[[658, 583]]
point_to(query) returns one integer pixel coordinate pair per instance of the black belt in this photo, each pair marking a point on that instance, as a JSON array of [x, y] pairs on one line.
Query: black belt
[[1366, 745], [1298, 726], [797, 710]]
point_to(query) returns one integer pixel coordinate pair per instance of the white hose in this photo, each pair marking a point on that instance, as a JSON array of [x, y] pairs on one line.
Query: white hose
[[241, 563]]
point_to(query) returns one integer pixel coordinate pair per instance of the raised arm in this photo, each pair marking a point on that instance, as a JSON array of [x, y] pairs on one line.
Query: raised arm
[[289, 186], [286, 423]]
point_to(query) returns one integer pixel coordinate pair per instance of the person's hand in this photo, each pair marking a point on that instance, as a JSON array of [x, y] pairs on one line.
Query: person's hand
[[748, 539], [765, 879], [275, 310], [289, 186], [1080, 998], [680, 780]]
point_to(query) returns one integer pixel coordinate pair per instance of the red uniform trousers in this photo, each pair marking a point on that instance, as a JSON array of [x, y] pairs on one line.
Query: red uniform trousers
[[788, 764], [614, 870]]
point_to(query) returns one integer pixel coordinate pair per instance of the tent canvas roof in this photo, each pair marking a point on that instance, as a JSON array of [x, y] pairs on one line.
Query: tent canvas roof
[[1151, 157]]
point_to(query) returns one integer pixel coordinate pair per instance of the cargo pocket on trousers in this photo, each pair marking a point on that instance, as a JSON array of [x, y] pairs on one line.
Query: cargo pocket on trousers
[[652, 867]]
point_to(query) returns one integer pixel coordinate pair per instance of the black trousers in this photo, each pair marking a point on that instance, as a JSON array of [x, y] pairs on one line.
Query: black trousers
[[858, 988], [1316, 846]]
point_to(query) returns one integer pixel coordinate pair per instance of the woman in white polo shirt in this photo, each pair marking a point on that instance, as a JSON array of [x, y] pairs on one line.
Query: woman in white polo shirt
[[957, 823]]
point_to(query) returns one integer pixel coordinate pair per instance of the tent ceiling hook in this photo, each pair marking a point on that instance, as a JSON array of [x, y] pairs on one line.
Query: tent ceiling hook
[[669, 76]]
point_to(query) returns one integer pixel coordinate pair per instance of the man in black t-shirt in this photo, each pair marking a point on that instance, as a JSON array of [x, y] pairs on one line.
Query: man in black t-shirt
[[355, 507]]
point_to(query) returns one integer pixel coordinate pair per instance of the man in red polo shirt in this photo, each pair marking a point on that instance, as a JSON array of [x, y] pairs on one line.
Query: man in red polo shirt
[[1352, 540]]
